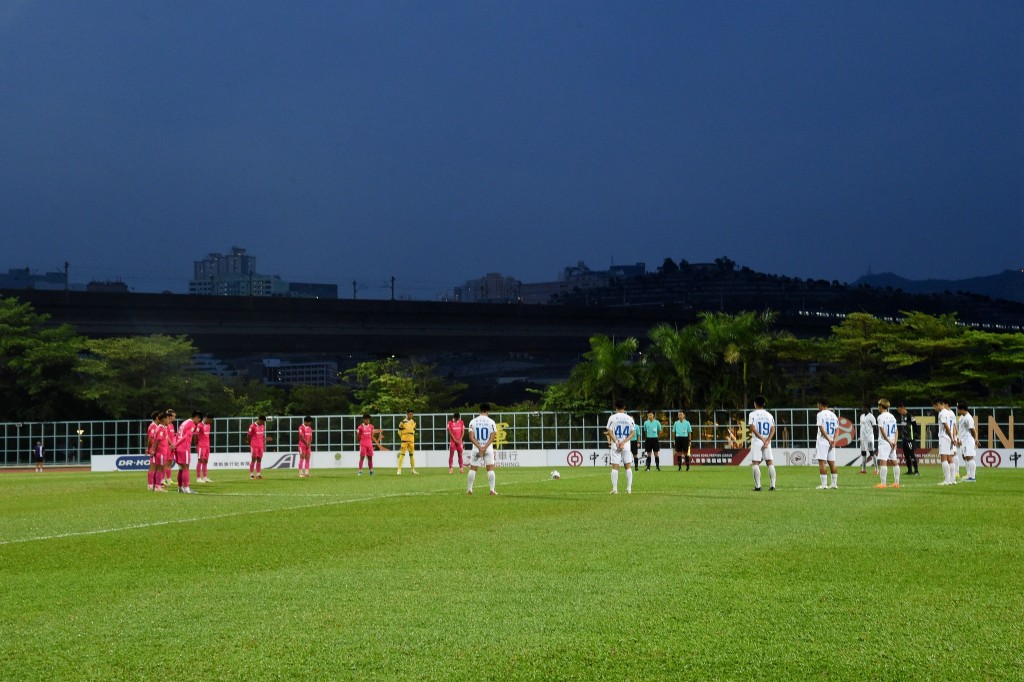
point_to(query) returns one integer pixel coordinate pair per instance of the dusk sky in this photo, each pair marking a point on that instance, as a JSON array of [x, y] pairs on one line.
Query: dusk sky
[[439, 141]]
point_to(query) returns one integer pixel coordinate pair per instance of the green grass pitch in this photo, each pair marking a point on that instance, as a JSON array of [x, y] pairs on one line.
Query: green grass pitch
[[694, 576]]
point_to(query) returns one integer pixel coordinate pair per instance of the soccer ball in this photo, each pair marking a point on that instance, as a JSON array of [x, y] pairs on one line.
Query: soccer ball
[[555, 475]]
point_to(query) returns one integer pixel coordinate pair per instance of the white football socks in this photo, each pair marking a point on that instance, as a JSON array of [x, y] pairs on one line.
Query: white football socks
[[469, 480], [757, 475], [490, 480], [883, 473], [824, 480], [629, 480], [945, 472], [771, 474], [615, 480]]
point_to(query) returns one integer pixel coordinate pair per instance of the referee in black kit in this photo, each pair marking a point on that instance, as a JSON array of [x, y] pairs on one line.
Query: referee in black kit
[[906, 424]]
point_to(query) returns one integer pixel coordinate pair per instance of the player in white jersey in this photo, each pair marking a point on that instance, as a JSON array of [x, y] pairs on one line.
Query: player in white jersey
[[887, 431], [762, 430], [825, 445], [947, 436], [619, 432], [481, 433], [867, 439], [967, 438]]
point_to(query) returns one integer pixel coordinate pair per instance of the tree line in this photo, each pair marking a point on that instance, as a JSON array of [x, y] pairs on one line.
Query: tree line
[[53, 373], [720, 362], [723, 360]]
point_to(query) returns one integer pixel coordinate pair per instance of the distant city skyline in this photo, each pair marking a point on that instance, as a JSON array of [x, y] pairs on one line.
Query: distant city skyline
[[439, 142], [53, 279]]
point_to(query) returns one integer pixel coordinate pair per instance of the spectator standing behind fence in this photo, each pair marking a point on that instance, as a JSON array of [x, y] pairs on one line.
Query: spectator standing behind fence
[[905, 422], [39, 455]]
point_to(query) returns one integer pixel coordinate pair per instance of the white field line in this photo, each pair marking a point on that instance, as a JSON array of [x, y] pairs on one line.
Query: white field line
[[226, 515]]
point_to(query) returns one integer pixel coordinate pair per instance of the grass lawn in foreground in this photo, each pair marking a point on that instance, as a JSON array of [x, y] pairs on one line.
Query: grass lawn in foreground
[[693, 576]]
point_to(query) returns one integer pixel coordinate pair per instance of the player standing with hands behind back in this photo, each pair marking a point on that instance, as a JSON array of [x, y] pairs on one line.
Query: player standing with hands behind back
[[887, 432], [407, 433], [305, 445], [762, 430], [825, 445], [257, 439], [619, 432], [481, 433]]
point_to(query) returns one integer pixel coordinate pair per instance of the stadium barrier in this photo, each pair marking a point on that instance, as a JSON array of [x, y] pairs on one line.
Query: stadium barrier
[[80, 442], [220, 461]]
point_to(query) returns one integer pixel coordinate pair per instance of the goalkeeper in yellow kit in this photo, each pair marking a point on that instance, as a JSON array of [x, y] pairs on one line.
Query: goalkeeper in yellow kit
[[407, 433]]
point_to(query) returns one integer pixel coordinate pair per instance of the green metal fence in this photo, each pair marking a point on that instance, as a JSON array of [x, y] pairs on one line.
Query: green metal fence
[[76, 442]]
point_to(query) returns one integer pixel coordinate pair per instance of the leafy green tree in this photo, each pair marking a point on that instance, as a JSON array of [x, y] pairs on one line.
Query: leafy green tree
[[668, 266], [391, 385], [37, 362], [566, 397], [132, 376], [304, 400], [247, 398]]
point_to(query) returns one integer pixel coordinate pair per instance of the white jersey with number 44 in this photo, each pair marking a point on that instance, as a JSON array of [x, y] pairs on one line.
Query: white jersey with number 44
[[621, 426]]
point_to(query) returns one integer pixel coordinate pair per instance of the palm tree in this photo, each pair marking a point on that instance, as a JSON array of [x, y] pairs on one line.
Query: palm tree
[[609, 370], [727, 343], [671, 366]]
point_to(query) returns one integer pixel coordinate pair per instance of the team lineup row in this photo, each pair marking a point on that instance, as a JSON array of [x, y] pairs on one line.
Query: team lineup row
[[957, 435], [167, 446]]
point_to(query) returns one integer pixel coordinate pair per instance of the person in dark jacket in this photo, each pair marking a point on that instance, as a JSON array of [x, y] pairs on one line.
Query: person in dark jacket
[[907, 430]]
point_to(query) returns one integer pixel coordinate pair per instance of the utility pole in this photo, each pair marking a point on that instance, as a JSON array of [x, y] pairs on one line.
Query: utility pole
[[66, 267], [392, 287], [353, 290]]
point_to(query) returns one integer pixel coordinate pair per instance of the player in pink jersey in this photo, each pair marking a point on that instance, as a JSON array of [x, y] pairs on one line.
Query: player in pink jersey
[[366, 433], [161, 451], [305, 445], [257, 439], [203, 449], [456, 428], [154, 465], [183, 450], [169, 459]]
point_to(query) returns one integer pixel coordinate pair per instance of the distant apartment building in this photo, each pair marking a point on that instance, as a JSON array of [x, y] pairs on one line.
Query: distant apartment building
[[491, 288], [578, 278], [234, 274], [107, 287], [24, 278], [277, 372]]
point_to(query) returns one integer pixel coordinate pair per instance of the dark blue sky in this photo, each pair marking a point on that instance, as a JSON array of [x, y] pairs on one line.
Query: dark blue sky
[[440, 141]]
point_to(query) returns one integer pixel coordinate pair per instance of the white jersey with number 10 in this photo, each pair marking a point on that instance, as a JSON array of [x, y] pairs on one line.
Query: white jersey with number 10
[[482, 427]]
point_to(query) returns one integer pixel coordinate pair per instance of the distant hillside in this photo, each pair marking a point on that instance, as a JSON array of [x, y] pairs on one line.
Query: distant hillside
[[1007, 285]]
